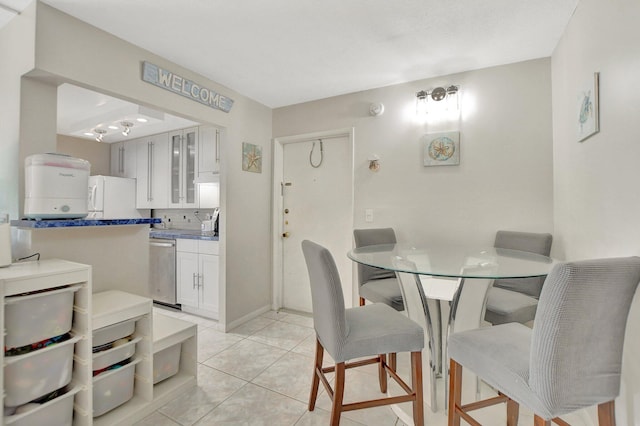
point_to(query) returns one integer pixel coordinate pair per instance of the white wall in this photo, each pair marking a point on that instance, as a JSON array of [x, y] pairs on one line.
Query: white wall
[[17, 47], [504, 180], [53, 50], [96, 153], [597, 202]]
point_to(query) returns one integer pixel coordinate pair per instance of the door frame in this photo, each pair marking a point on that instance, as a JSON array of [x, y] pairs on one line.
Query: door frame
[[276, 201]]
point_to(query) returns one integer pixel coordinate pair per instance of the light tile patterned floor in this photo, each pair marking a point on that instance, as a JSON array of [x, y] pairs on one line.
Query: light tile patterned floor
[[260, 374]]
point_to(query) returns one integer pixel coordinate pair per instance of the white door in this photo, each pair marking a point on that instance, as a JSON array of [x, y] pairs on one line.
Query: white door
[[317, 206], [209, 271], [186, 274]]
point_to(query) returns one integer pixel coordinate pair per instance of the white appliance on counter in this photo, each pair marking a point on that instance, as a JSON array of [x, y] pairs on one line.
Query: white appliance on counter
[[112, 197], [55, 186]]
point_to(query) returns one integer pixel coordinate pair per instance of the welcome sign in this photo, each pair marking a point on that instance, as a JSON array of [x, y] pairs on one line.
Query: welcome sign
[[177, 84]]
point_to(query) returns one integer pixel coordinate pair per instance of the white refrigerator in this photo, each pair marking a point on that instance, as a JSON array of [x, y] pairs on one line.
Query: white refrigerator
[[112, 197]]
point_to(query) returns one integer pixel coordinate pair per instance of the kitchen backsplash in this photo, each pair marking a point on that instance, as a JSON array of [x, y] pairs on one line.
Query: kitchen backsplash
[[181, 219]]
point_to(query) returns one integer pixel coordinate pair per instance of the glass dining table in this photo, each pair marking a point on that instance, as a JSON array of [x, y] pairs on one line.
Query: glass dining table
[[436, 278]]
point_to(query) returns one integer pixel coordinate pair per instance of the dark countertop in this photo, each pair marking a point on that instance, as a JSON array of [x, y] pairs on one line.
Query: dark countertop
[[67, 223], [189, 234]]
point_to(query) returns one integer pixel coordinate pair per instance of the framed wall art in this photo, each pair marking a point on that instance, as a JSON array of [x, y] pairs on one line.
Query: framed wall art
[[251, 157], [587, 114], [441, 149]]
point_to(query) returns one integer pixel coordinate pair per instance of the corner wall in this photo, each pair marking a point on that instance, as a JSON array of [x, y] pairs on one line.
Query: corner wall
[[597, 202], [504, 180]]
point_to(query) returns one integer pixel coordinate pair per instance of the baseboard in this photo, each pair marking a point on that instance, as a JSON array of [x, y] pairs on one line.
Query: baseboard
[[251, 315]]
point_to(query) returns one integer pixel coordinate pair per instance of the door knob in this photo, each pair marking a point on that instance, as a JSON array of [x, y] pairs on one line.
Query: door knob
[[285, 235]]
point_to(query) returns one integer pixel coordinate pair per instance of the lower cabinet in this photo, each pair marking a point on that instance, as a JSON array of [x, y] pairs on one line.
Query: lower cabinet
[[197, 270]]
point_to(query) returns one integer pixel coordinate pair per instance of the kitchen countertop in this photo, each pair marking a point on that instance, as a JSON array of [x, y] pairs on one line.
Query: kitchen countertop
[[67, 223], [190, 234]]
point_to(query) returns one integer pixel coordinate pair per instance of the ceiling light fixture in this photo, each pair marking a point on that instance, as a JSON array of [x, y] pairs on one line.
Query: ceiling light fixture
[[141, 120], [101, 133], [440, 97], [113, 127], [127, 127]]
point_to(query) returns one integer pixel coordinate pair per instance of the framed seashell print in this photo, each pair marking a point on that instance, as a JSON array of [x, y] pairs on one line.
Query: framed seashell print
[[441, 149], [587, 114], [251, 157]]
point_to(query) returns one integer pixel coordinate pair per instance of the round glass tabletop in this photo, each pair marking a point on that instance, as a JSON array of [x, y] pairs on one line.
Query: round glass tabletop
[[453, 261]]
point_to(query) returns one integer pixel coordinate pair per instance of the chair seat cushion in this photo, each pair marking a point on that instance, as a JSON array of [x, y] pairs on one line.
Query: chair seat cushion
[[385, 291], [499, 355], [505, 306], [378, 329]]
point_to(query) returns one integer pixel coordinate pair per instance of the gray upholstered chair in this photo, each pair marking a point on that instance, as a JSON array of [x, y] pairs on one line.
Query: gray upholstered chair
[[516, 300], [358, 332], [374, 284], [572, 357]]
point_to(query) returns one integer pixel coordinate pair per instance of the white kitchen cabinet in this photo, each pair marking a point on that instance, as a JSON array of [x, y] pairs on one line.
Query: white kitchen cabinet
[[197, 271], [183, 160], [208, 153], [152, 158], [123, 159]]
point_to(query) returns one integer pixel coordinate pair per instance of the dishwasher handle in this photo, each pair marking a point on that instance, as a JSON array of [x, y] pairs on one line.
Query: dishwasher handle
[[163, 244]]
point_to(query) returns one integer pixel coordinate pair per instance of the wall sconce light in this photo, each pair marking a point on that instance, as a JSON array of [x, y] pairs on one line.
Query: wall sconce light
[[441, 98], [127, 125], [101, 133], [374, 163]]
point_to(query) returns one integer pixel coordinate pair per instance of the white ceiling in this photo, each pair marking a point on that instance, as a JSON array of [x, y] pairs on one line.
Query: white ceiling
[[283, 52], [82, 111]]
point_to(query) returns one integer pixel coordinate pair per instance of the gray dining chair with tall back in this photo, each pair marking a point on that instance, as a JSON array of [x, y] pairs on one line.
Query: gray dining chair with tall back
[[364, 331], [516, 300], [572, 357], [374, 284]]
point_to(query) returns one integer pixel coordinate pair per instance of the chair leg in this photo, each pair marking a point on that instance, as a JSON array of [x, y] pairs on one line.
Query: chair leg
[[607, 414], [539, 421], [393, 364], [382, 372], [362, 301], [416, 384], [513, 412], [317, 365], [455, 392], [338, 394]]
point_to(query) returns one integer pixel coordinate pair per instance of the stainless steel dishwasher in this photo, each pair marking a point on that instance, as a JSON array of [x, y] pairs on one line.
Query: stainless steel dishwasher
[[162, 270]]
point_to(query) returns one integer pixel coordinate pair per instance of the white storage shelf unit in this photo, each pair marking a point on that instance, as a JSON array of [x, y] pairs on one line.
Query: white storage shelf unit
[[92, 312], [168, 334], [31, 277], [152, 333], [111, 310]]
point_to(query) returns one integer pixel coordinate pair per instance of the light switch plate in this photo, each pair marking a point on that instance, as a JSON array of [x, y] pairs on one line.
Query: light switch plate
[[368, 215]]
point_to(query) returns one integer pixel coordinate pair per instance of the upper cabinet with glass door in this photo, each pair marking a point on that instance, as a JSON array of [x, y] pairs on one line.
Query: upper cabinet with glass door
[[183, 153]]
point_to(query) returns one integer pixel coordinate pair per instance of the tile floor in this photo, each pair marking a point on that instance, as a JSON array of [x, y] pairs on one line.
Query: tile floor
[[260, 374]]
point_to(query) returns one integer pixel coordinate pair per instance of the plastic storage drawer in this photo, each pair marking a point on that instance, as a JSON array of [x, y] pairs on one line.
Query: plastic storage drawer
[[59, 410], [113, 388], [166, 363], [39, 316], [113, 332], [30, 376], [114, 355]]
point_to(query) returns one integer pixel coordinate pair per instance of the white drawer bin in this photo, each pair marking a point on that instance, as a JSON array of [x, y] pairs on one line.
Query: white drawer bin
[[39, 316], [113, 332], [113, 388], [59, 410], [33, 375], [166, 363], [114, 355]]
